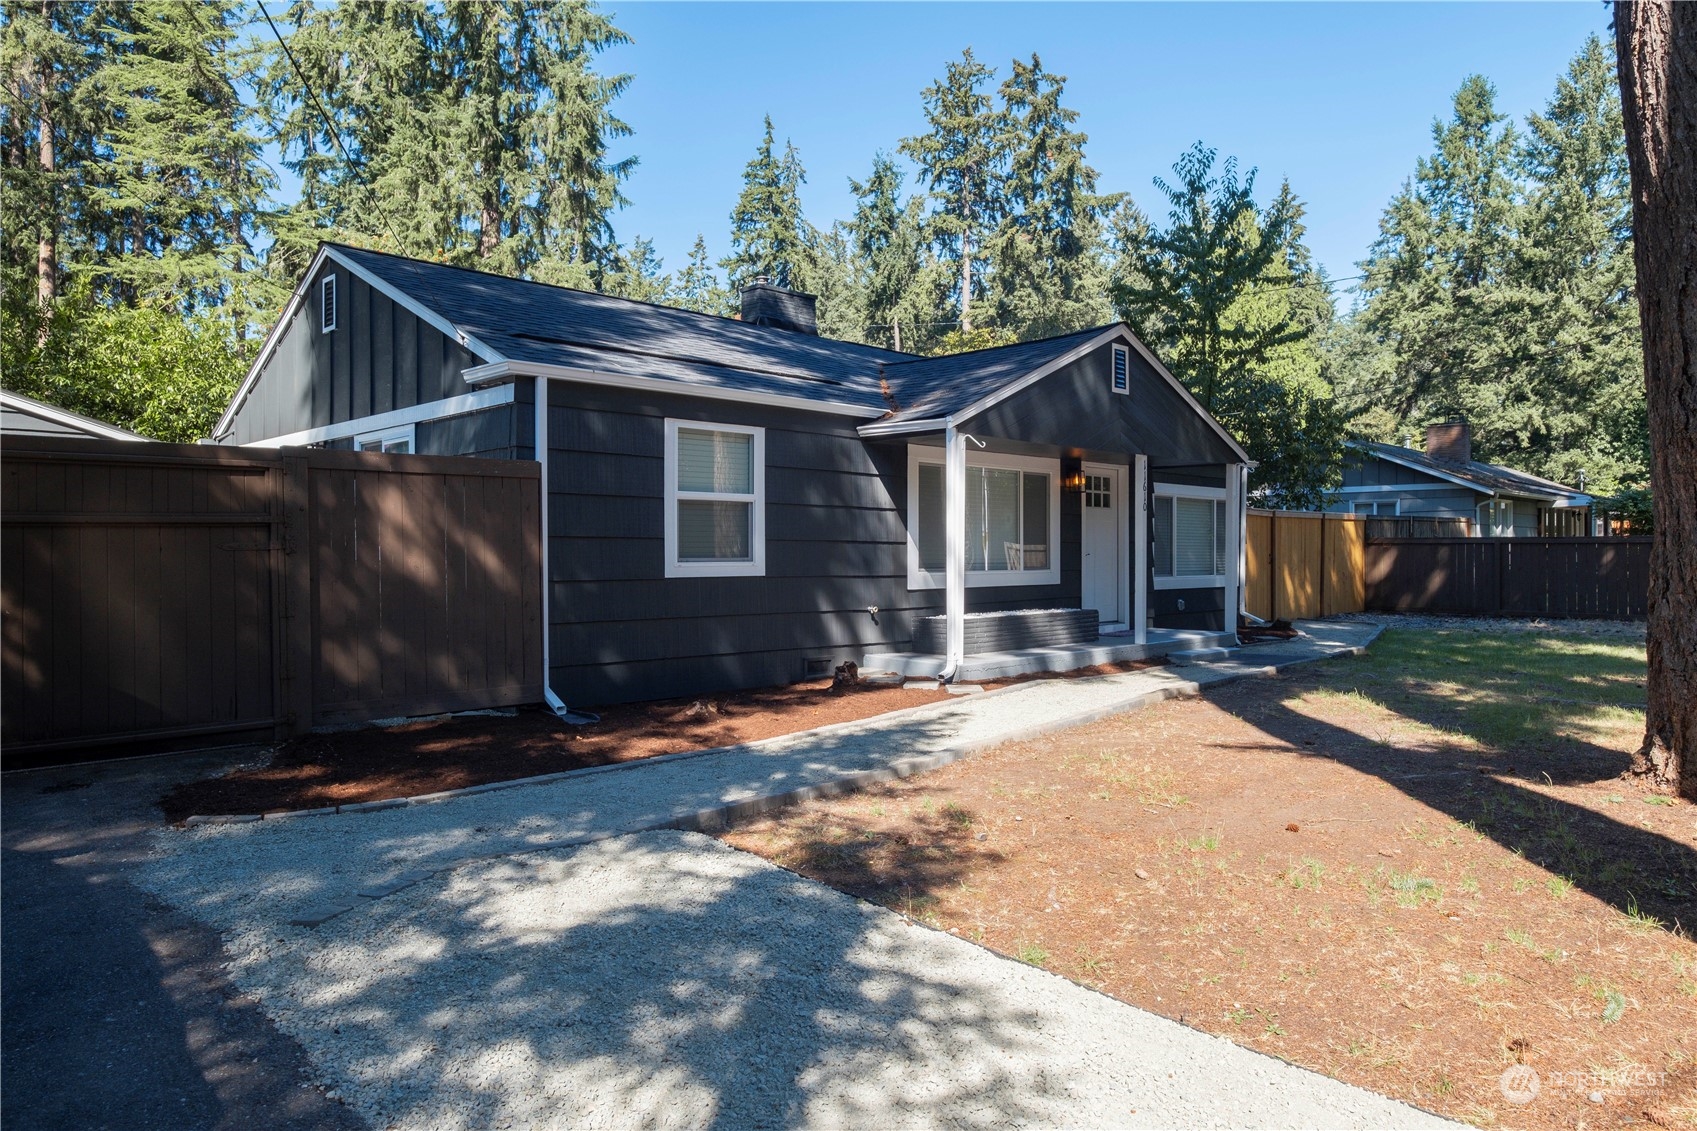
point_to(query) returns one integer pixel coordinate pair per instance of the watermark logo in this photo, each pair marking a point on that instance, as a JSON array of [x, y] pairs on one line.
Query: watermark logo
[[1519, 1083]]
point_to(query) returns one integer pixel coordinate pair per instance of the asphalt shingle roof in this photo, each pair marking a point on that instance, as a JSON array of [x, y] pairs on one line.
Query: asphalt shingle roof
[[1486, 476], [936, 386], [555, 325]]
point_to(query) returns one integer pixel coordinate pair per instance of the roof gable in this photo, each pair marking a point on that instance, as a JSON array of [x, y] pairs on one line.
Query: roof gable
[[1488, 478]]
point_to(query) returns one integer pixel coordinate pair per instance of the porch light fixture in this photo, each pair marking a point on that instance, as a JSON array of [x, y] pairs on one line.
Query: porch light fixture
[[1073, 483]]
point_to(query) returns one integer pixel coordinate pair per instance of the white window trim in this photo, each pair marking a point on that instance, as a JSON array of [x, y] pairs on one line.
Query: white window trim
[[335, 288], [756, 565], [407, 432], [1190, 581], [918, 578], [1119, 353]]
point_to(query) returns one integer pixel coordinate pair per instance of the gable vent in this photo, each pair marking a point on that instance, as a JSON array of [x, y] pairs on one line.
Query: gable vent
[[1122, 370], [327, 303]]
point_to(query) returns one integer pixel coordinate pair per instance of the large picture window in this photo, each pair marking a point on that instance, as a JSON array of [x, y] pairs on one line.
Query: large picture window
[[1012, 520], [1189, 525], [715, 500]]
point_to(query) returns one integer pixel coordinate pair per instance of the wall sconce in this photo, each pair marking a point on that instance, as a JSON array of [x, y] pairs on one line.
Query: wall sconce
[[1073, 483]]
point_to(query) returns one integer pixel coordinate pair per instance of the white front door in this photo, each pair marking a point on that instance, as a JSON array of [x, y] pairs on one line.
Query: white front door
[[1106, 546]]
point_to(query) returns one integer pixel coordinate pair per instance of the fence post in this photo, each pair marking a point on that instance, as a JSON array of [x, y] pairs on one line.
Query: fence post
[[295, 648]]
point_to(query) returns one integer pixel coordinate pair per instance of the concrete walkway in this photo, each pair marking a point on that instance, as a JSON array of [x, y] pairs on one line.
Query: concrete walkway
[[523, 958]]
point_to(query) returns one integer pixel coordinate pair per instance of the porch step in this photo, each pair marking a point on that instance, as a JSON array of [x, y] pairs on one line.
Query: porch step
[[998, 665], [1199, 655]]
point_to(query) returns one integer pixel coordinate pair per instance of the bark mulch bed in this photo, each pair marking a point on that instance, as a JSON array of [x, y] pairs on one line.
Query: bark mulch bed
[[430, 755], [1334, 868]]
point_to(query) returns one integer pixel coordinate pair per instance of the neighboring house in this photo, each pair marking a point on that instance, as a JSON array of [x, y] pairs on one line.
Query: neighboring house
[[737, 503], [26, 416], [1445, 481]]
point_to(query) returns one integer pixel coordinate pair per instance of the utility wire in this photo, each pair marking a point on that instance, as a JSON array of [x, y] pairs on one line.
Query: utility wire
[[354, 167]]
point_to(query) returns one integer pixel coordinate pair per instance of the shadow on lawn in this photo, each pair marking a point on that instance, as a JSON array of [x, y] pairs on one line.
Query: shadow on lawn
[[1484, 787]]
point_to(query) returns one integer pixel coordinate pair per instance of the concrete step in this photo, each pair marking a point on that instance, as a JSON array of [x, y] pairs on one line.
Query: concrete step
[[1199, 655]]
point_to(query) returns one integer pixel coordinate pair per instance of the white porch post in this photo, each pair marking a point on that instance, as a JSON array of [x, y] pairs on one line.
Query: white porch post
[[1234, 543], [954, 513], [1140, 550]]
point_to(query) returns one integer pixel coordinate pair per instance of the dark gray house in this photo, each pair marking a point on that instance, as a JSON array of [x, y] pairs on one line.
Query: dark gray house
[[1445, 481], [26, 416], [738, 503]]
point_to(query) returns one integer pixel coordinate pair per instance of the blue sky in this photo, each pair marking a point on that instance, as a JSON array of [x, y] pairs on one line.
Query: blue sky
[[1338, 97]]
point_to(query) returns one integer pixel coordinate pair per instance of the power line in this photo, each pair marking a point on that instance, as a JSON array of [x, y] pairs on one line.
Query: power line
[[354, 167]]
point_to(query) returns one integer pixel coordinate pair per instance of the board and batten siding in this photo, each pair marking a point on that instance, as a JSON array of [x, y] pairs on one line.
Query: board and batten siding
[[836, 542], [380, 357]]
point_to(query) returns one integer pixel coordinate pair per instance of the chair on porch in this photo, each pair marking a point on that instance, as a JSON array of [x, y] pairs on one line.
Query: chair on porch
[[1034, 556]]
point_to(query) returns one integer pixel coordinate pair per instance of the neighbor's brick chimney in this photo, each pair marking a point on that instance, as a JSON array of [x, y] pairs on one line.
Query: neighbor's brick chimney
[[1451, 440]]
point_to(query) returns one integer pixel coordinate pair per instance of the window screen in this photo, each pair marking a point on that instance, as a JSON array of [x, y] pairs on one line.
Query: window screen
[[720, 462], [715, 484], [1007, 520], [933, 555], [1163, 523]]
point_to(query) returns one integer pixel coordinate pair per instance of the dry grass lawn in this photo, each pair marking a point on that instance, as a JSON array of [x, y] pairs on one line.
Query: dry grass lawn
[[1411, 871]]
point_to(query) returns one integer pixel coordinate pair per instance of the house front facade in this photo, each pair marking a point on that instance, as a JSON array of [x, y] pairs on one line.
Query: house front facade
[[738, 502], [1445, 482]]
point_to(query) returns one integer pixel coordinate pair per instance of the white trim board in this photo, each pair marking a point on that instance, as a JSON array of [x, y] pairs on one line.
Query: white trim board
[[510, 369], [429, 410], [29, 406], [1399, 488]]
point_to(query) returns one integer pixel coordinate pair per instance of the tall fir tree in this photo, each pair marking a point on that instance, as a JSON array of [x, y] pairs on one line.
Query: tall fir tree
[[961, 158], [1215, 294], [698, 287], [769, 236], [480, 133], [1048, 273], [886, 237]]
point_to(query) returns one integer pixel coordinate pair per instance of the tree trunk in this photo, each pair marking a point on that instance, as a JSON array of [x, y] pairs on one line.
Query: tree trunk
[[46, 248], [489, 228], [966, 282], [1657, 52]]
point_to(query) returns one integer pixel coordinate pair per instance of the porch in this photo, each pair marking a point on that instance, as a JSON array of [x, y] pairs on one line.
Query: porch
[[1109, 648]]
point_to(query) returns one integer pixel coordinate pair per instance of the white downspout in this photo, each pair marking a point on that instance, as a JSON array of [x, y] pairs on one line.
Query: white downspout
[[954, 521], [555, 703], [1236, 493]]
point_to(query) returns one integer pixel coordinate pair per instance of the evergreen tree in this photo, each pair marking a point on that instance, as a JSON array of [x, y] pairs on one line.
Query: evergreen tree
[[480, 133], [961, 160], [1437, 274], [1048, 273], [887, 241], [639, 273], [698, 286], [1216, 295], [769, 237]]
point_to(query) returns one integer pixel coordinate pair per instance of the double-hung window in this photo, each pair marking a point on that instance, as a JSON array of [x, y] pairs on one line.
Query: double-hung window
[[1013, 519], [715, 500], [1190, 537]]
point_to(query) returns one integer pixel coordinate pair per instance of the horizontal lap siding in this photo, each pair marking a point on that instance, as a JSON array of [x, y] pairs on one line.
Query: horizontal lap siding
[[836, 542]]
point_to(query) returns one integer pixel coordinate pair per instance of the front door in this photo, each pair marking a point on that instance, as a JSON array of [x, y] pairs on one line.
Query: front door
[[1106, 576]]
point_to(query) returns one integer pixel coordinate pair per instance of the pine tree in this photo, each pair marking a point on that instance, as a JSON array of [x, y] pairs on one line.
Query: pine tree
[[698, 286], [887, 242], [1436, 276], [1048, 272], [769, 237], [961, 160], [479, 133], [639, 273]]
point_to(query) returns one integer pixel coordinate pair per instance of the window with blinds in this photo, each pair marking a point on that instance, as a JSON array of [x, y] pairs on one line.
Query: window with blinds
[[1010, 528], [714, 524], [1189, 535]]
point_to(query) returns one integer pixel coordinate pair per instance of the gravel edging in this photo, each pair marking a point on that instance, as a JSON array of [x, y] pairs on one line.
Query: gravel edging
[[715, 818]]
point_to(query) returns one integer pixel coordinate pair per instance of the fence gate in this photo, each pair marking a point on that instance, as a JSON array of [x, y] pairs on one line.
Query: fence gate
[[1302, 564], [157, 591]]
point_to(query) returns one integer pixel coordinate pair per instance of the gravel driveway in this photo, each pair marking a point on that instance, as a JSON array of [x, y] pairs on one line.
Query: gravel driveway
[[664, 979]]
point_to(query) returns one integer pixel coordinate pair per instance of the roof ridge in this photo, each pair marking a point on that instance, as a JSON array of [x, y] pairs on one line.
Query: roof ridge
[[718, 319], [916, 358]]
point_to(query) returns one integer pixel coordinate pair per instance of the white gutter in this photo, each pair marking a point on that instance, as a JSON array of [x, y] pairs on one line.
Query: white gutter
[[954, 521]]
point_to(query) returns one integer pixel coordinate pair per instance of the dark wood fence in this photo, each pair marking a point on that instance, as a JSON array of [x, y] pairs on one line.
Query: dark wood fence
[[1410, 526], [157, 591], [1545, 577]]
